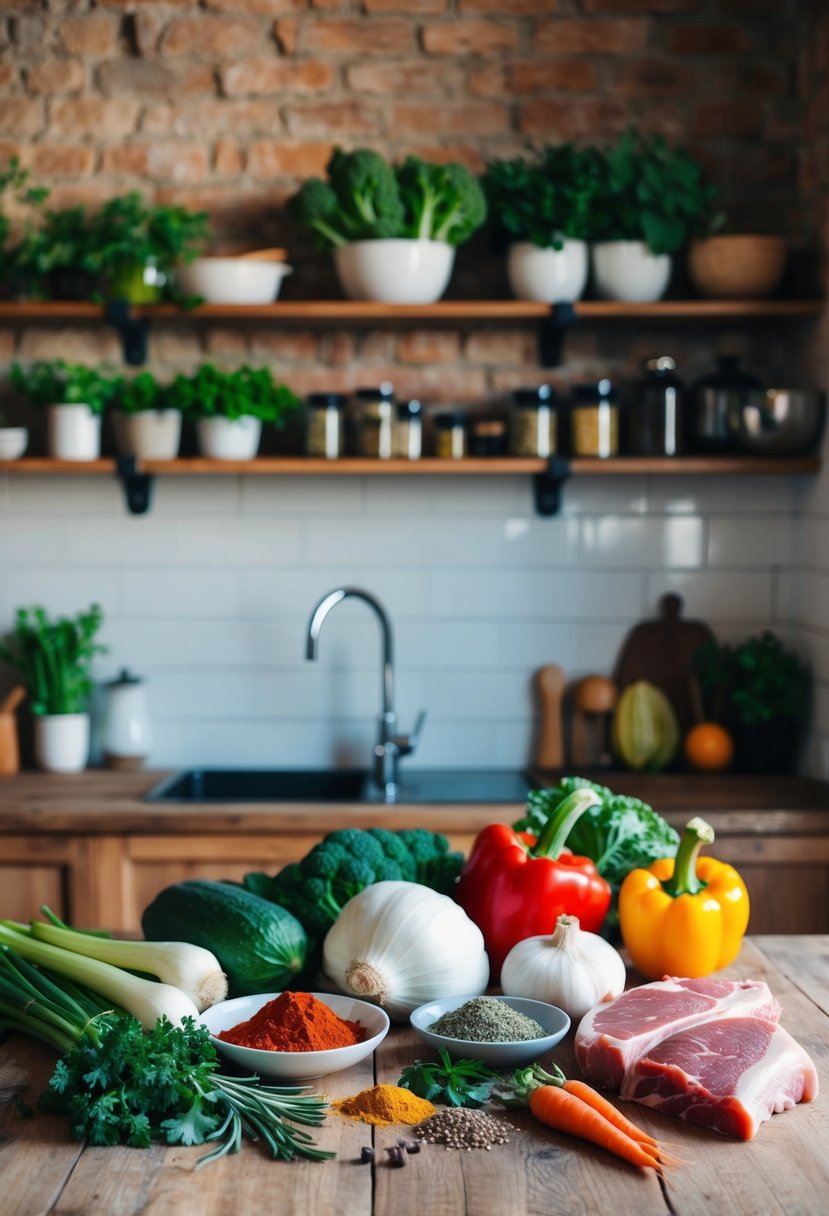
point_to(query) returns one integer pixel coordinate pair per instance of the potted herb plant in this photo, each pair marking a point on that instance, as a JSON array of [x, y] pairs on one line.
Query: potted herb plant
[[58, 257], [146, 419], [393, 229], [653, 198], [230, 408], [75, 396], [54, 657], [13, 181], [139, 246], [541, 205], [759, 691]]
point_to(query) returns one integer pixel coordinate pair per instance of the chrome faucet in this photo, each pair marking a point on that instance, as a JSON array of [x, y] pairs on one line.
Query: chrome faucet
[[390, 746]]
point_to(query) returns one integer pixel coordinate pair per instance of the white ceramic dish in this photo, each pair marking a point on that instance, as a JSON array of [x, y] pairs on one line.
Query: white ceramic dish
[[233, 280], [296, 1066], [13, 442], [395, 270], [497, 1055]]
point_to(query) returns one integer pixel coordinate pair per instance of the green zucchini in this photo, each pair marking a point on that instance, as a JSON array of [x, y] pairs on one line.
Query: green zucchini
[[260, 946]]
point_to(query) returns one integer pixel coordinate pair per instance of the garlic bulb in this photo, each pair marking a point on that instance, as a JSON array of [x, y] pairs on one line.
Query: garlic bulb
[[572, 969], [400, 944]]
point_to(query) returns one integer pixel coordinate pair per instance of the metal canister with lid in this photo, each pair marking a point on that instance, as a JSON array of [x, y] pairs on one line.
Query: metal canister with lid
[[594, 420], [655, 420], [325, 419], [374, 421], [533, 422]]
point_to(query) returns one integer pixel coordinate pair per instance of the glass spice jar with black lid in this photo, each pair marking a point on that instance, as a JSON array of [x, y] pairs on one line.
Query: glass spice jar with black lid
[[656, 423], [451, 431], [594, 420], [408, 433], [487, 437], [325, 420], [533, 422], [373, 414]]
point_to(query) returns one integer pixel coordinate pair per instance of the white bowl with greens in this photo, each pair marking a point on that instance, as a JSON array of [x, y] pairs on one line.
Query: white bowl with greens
[[503, 1053]]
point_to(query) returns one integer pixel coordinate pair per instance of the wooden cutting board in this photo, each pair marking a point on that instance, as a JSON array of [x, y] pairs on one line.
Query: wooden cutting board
[[660, 651]]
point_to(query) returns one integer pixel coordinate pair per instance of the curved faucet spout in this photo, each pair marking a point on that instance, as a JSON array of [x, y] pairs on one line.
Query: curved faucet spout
[[322, 610]]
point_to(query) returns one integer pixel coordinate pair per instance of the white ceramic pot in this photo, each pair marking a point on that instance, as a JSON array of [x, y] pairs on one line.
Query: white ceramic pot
[[149, 434], [548, 275], [74, 432], [396, 271], [628, 271], [233, 280], [61, 742], [229, 438], [13, 442]]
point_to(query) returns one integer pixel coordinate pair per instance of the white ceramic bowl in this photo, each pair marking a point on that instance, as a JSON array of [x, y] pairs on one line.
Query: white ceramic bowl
[[395, 271], [13, 441], [233, 280], [497, 1055], [296, 1066]]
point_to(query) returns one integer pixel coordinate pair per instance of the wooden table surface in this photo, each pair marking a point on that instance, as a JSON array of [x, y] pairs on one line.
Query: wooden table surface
[[784, 1170]]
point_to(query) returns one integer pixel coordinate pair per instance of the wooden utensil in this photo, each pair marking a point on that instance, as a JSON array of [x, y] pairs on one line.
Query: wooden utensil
[[550, 682], [660, 651], [263, 255], [593, 700], [9, 745]]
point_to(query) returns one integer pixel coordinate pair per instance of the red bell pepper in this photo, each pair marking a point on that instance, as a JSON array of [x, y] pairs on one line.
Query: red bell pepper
[[513, 886]]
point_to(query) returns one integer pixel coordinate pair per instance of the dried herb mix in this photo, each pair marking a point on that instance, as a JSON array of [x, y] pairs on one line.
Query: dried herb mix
[[485, 1019]]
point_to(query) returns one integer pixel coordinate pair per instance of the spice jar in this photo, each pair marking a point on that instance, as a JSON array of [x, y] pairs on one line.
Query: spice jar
[[408, 435], [450, 434], [533, 422], [487, 437], [374, 421], [656, 415], [324, 425], [594, 420]]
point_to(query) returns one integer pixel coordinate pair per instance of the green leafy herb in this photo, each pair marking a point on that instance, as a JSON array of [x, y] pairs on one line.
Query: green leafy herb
[[452, 1082], [54, 657], [55, 382], [247, 391], [546, 195], [756, 681]]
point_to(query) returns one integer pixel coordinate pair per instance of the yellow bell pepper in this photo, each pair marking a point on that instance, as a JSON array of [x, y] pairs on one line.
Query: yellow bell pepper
[[684, 916]]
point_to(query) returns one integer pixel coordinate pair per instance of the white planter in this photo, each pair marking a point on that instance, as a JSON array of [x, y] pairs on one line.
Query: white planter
[[61, 742], [395, 271], [149, 434], [628, 271], [229, 439], [74, 432], [548, 275]]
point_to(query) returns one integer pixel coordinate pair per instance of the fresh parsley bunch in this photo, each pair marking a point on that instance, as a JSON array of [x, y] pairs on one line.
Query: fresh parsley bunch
[[458, 1083]]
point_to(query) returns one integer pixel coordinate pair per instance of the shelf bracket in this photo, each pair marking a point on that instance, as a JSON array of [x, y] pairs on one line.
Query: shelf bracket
[[551, 333], [547, 486], [134, 331], [138, 487]]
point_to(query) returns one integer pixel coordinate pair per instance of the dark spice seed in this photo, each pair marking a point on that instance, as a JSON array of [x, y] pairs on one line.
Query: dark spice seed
[[366, 1153], [396, 1156]]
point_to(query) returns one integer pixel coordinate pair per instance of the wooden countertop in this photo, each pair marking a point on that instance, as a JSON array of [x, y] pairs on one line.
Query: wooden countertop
[[784, 1171], [103, 801]]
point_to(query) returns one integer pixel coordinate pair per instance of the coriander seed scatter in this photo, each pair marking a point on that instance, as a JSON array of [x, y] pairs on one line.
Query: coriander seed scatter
[[485, 1019]]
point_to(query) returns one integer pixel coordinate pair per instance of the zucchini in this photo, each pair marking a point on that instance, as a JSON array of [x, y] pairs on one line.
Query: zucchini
[[260, 946]]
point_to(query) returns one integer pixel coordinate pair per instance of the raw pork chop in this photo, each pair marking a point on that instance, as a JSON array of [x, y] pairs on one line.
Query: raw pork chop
[[612, 1036], [729, 1075]]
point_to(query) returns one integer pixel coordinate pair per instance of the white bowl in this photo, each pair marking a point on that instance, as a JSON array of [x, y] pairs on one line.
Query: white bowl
[[548, 275], [296, 1066], [497, 1055], [233, 280], [13, 441], [396, 270]]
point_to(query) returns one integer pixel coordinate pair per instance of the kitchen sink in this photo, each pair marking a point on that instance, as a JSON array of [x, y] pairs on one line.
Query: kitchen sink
[[195, 785]]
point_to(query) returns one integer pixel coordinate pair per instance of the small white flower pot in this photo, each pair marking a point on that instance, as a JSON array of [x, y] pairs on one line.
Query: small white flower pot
[[629, 272], [74, 432], [61, 742], [548, 275], [395, 271], [229, 439], [149, 434]]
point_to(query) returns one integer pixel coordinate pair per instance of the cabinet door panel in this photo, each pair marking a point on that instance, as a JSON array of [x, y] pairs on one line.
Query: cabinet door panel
[[25, 887]]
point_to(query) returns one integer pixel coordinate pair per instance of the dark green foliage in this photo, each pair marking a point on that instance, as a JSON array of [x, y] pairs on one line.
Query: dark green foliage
[[55, 382], [756, 681], [127, 229], [546, 195], [244, 392], [453, 1082], [442, 202], [54, 657], [142, 392]]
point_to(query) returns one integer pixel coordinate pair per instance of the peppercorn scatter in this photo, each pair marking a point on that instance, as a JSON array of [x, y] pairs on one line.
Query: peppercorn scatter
[[460, 1128], [295, 1021], [384, 1105], [485, 1019]]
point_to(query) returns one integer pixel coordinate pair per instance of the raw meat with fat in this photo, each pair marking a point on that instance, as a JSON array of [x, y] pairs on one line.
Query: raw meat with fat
[[729, 1074], [613, 1036]]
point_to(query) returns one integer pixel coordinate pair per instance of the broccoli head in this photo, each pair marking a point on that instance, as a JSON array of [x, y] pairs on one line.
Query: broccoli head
[[367, 192], [316, 206], [442, 202]]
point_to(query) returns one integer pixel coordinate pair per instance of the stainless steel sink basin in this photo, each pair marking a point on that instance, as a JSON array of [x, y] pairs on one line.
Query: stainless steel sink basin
[[201, 785]]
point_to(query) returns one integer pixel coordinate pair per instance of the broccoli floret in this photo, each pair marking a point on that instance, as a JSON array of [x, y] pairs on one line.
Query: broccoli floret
[[395, 850], [356, 843], [290, 877], [389, 871], [367, 192], [323, 861], [355, 873], [316, 206], [442, 202]]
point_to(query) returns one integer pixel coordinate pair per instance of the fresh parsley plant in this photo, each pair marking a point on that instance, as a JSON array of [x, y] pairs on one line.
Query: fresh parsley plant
[[454, 1083]]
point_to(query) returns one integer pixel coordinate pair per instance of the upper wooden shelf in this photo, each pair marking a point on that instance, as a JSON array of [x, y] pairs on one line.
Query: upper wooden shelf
[[446, 310]]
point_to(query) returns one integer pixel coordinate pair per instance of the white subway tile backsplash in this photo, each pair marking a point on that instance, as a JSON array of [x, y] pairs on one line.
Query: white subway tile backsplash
[[59, 590], [763, 540], [627, 541], [741, 598], [297, 496], [537, 594], [96, 495], [179, 593], [713, 495], [239, 541]]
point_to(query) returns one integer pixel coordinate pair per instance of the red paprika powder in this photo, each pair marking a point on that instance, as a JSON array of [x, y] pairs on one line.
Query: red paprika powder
[[295, 1021]]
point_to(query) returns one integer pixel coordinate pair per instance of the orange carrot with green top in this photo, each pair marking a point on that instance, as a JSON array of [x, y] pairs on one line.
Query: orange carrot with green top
[[556, 1108], [579, 1089]]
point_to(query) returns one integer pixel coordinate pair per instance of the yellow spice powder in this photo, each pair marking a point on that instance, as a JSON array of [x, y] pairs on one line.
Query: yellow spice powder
[[385, 1104]]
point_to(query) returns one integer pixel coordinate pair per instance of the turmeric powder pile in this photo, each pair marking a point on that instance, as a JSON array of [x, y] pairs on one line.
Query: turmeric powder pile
[[383, 1105]]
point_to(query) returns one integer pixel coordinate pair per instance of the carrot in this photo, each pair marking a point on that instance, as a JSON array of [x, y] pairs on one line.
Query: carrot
[[589, 1095], [559, 1109]]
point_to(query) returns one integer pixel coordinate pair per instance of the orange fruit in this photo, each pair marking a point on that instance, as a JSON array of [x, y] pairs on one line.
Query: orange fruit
[[709, 746]]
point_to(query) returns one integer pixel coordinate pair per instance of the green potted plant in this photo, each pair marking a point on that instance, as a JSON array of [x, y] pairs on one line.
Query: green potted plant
[[146, 418], [759, 691], [393, 229], [140, 244], [230, 408], [653, 198], [541, 206], [75, 397], [58, 257], [54, 657]]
